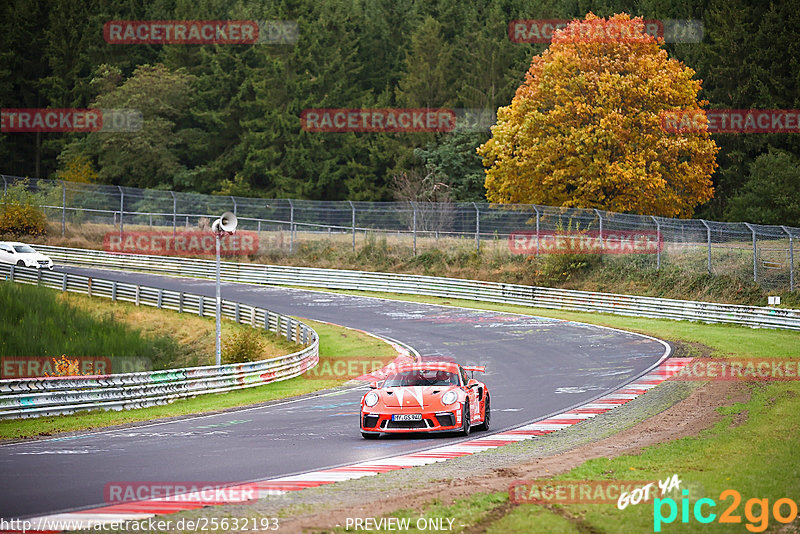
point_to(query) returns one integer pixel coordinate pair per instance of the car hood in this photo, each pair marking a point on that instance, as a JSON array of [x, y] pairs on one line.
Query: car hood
[[413, 396]]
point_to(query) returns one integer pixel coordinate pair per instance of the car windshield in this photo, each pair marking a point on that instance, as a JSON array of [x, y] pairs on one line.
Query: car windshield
[[24, 249], [422, 377]]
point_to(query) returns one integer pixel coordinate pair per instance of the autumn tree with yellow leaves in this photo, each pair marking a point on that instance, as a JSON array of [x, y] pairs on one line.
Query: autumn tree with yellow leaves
[[584, 129]]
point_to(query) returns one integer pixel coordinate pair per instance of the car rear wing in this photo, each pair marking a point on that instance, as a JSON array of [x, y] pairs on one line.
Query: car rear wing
[[475, 369]]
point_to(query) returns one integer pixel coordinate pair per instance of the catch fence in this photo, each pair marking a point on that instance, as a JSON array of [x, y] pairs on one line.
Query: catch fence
[[761, 253]]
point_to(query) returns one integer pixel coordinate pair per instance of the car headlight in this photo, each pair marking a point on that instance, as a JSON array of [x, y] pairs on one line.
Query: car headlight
[[371, 399], [450, 397]]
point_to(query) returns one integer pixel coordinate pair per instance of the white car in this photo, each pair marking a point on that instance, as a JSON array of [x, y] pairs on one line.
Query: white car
[[23, 255]]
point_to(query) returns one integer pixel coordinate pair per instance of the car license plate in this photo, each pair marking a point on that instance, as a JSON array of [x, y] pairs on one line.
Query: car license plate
[[407, 417]]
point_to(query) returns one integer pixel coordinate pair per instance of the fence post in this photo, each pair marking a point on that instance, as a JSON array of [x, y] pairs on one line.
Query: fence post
[[602, 243], [755, 253], [5, 185], [414, 226], [64, 281], [291, 226], [235, 207], [537, 229], [477, 228], [791, 259], [708, 234], [11, 273], [658, 243], [121, 207], [174, 213], [63, 207], [353, 222]]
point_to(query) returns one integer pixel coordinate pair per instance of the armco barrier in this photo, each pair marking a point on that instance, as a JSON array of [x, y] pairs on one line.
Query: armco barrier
[[36, 397], [540, 297]]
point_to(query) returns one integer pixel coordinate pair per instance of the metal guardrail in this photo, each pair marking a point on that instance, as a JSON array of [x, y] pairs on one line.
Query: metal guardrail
[[36, 397], [540, 297]]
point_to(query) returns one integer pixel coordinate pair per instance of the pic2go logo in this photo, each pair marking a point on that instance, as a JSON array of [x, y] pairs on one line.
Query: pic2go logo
[[756, 511]]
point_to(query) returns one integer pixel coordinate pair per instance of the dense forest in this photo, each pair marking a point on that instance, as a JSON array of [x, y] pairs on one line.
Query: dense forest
[[224, 118]]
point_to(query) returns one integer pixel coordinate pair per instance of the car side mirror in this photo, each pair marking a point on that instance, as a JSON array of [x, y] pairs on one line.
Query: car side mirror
[[472, 383], [374, 385]]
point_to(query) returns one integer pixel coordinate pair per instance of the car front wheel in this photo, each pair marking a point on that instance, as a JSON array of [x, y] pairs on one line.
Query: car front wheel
[[20, 263], [486, 416], [465, 426]]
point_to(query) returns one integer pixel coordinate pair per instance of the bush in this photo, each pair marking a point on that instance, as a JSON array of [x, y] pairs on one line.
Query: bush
[[243, 346], [20, 213], [559, 268]]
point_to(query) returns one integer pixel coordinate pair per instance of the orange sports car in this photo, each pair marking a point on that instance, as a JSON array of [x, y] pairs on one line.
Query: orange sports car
[[426, 397]]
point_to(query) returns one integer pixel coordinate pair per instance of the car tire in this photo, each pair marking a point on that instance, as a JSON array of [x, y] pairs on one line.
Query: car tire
[[369, 435], [465, 424], [20, 263], [486, 416]]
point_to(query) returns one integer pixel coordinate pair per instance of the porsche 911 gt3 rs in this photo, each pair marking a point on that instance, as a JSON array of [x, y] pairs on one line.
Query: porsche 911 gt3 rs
[[426, 397]]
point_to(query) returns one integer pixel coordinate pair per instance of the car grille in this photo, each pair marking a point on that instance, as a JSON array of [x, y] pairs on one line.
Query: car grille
[[425, 423], [43, 262], [370, 421]]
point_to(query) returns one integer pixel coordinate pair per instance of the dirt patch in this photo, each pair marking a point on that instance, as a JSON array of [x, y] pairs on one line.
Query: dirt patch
[[687, 418]]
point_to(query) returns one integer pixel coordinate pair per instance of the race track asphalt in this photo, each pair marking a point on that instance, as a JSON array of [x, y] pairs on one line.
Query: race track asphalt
[[535, 367]]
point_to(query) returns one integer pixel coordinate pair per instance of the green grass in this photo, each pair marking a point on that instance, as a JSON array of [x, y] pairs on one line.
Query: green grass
[[757, 456], [47, 323], [37, 321], [335, 343]]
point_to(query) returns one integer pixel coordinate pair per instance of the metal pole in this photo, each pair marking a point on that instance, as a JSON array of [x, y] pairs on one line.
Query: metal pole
[[414, 227], [658, 242], [174, 214], [602, 242], [791, 259], [63, 208], [477, 228], [121, 207], [291, 226], [5, 185], [537, 229], [755, 253], [353, 223], [219, 309], [708, 233]]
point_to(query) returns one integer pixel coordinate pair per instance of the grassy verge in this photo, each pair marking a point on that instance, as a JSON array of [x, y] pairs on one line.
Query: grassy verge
[[336, 343], [752, 450], [37, 321], [683, 274]]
